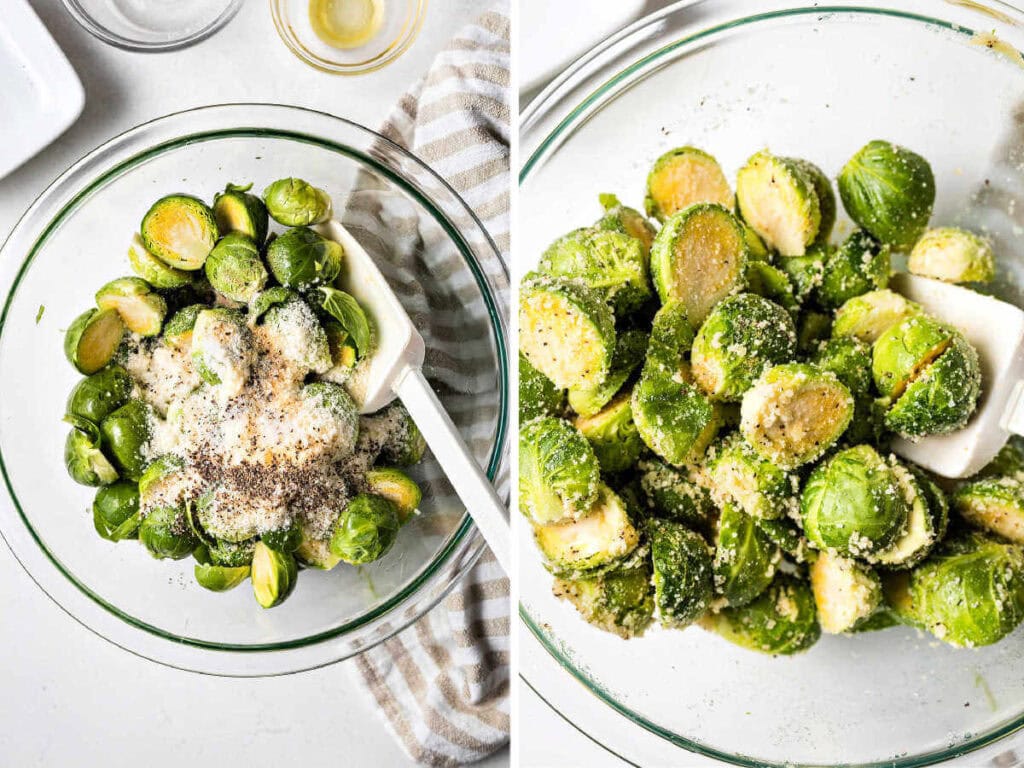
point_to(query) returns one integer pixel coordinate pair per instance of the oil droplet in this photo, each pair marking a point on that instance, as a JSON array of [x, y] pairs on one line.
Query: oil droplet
[[346, 23]]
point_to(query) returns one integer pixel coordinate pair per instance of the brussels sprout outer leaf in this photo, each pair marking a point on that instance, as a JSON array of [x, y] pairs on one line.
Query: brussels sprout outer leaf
[[538, 396], [302, 259], [295, 203], [115, 511], [236, 210], [559, 472], [683, 573], [97, 396]]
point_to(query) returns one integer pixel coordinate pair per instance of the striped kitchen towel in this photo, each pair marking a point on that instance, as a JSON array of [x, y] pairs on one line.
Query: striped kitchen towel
[[442, 684]]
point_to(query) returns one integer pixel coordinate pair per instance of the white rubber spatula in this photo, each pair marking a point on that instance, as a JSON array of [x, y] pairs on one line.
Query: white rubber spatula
[[396, 370], [996, 329]]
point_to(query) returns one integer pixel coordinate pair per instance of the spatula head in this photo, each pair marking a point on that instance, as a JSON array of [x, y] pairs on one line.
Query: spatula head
[[996, 329], [399, 345]]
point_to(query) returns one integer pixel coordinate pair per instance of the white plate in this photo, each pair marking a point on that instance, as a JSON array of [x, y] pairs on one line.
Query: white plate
[[40, 94]]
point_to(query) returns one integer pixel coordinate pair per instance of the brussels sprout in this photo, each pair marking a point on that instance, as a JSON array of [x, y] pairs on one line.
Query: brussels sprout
[[826, 197], [296, 203], [781, 621], [745, 558], [300, 336], [339, 406], [315, 553], [152, 270], [366, 530], [180, 231], [953, 255], [881, 619], [558, 471], [272, 297], [612, 434], [273, 575], [238, 211], [928, 514], [853, 503], [141, 310], [164, 534], [157, 470], [178, 329], [898, 601], [611, 262], [742, 337], [776, 196], [869, 315], [566, 331], [849, 359], [231, 554], [811, 329], [889, 191], [92, 339], [698, 258], [785, 534], [668, 347], [302, 259], [668, 493], [674, 418], [771, 283], [126, 433], [630, 349], [97, 396], [846, 593], [682, 177], [682, 573], [537, 395], [397, 487], [287, 539], [806, 272], [605, 537], [970, 592], [115, 511], [738, 475], [995, 504], [621, 218], [756, 249], [222, 349], [868, 422], [405, 445], [794, 413], [943, 397], [235, 269], [856, 267], [344, 353], [220, 578], [619, 601], [1008, 462]]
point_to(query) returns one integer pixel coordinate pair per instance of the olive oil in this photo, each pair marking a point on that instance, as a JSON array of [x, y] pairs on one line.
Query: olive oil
[[346, 23]]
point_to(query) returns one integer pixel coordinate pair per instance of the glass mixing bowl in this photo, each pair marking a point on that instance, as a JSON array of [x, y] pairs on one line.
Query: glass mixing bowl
[[816, 82], [74, 238]]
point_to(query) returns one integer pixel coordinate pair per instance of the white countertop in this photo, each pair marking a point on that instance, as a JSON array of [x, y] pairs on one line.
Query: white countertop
[[68, 697]]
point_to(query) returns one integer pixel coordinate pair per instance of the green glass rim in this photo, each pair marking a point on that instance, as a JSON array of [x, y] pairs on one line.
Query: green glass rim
[[497, 327], [550, 645]]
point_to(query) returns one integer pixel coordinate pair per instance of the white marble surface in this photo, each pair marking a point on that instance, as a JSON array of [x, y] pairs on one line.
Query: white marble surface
[[66, 696]]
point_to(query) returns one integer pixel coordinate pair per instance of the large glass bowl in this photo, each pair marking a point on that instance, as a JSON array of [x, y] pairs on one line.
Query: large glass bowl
[[73, 239], [818, 82]]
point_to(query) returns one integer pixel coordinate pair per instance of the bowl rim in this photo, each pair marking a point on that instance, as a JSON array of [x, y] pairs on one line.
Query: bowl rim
[[464, 541], [587, 70]]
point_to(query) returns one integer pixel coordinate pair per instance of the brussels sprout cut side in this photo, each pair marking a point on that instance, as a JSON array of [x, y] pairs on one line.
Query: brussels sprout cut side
[[273, 575], [153, 270], [868, 316], [995, 504], [776, 196], [141, 309], [92, 339], [682, 177], [846, 593], [630, 348], [180, 231], [238, 211], [953, 255], [398, 488]]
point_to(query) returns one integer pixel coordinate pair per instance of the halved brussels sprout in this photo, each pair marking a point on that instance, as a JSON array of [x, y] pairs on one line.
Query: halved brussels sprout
[[674, 418], [739, 475], [826, 197], [861, 264], [630, 348], [115, 511], [772, 283], [299, 335], [853, 503], [315, 553], [231, 554], [397, 487], [905, 350], [742, 337], [405, 445], [953, 255], [566, 331], [157, 470], [794, 413], [806, 272], [344, 352], [604, 537], [781, 621], [995, 504], [97, 396], [757, 251], [302, 259], [776, 196], [559, 473], [889, 191], [92, 339], [682, 177], [812, 328], [220, 578], [745, 558], [165, 535], [152, 270], [699, 257], [334, 401], [296, 203], [180, 230], [621, 218], [669, 493], [849, 359], [222, 349], [928, 513], [238, 211], [366, 530], [84, 460], [846, 593], [619, 601], [611, 262], [668, 347], [537, 395], [787, 535], [683, 573], [613, 435], [273, 575], [869, 315], [126, 433], [141, 310], [178, 329], [285, 539], [235, 269]]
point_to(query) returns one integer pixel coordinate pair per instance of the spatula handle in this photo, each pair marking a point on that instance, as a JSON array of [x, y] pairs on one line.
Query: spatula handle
[[465, 475]]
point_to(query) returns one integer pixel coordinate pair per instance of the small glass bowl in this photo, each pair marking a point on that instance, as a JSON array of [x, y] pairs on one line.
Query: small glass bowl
[[152, 25], [403, 20]]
